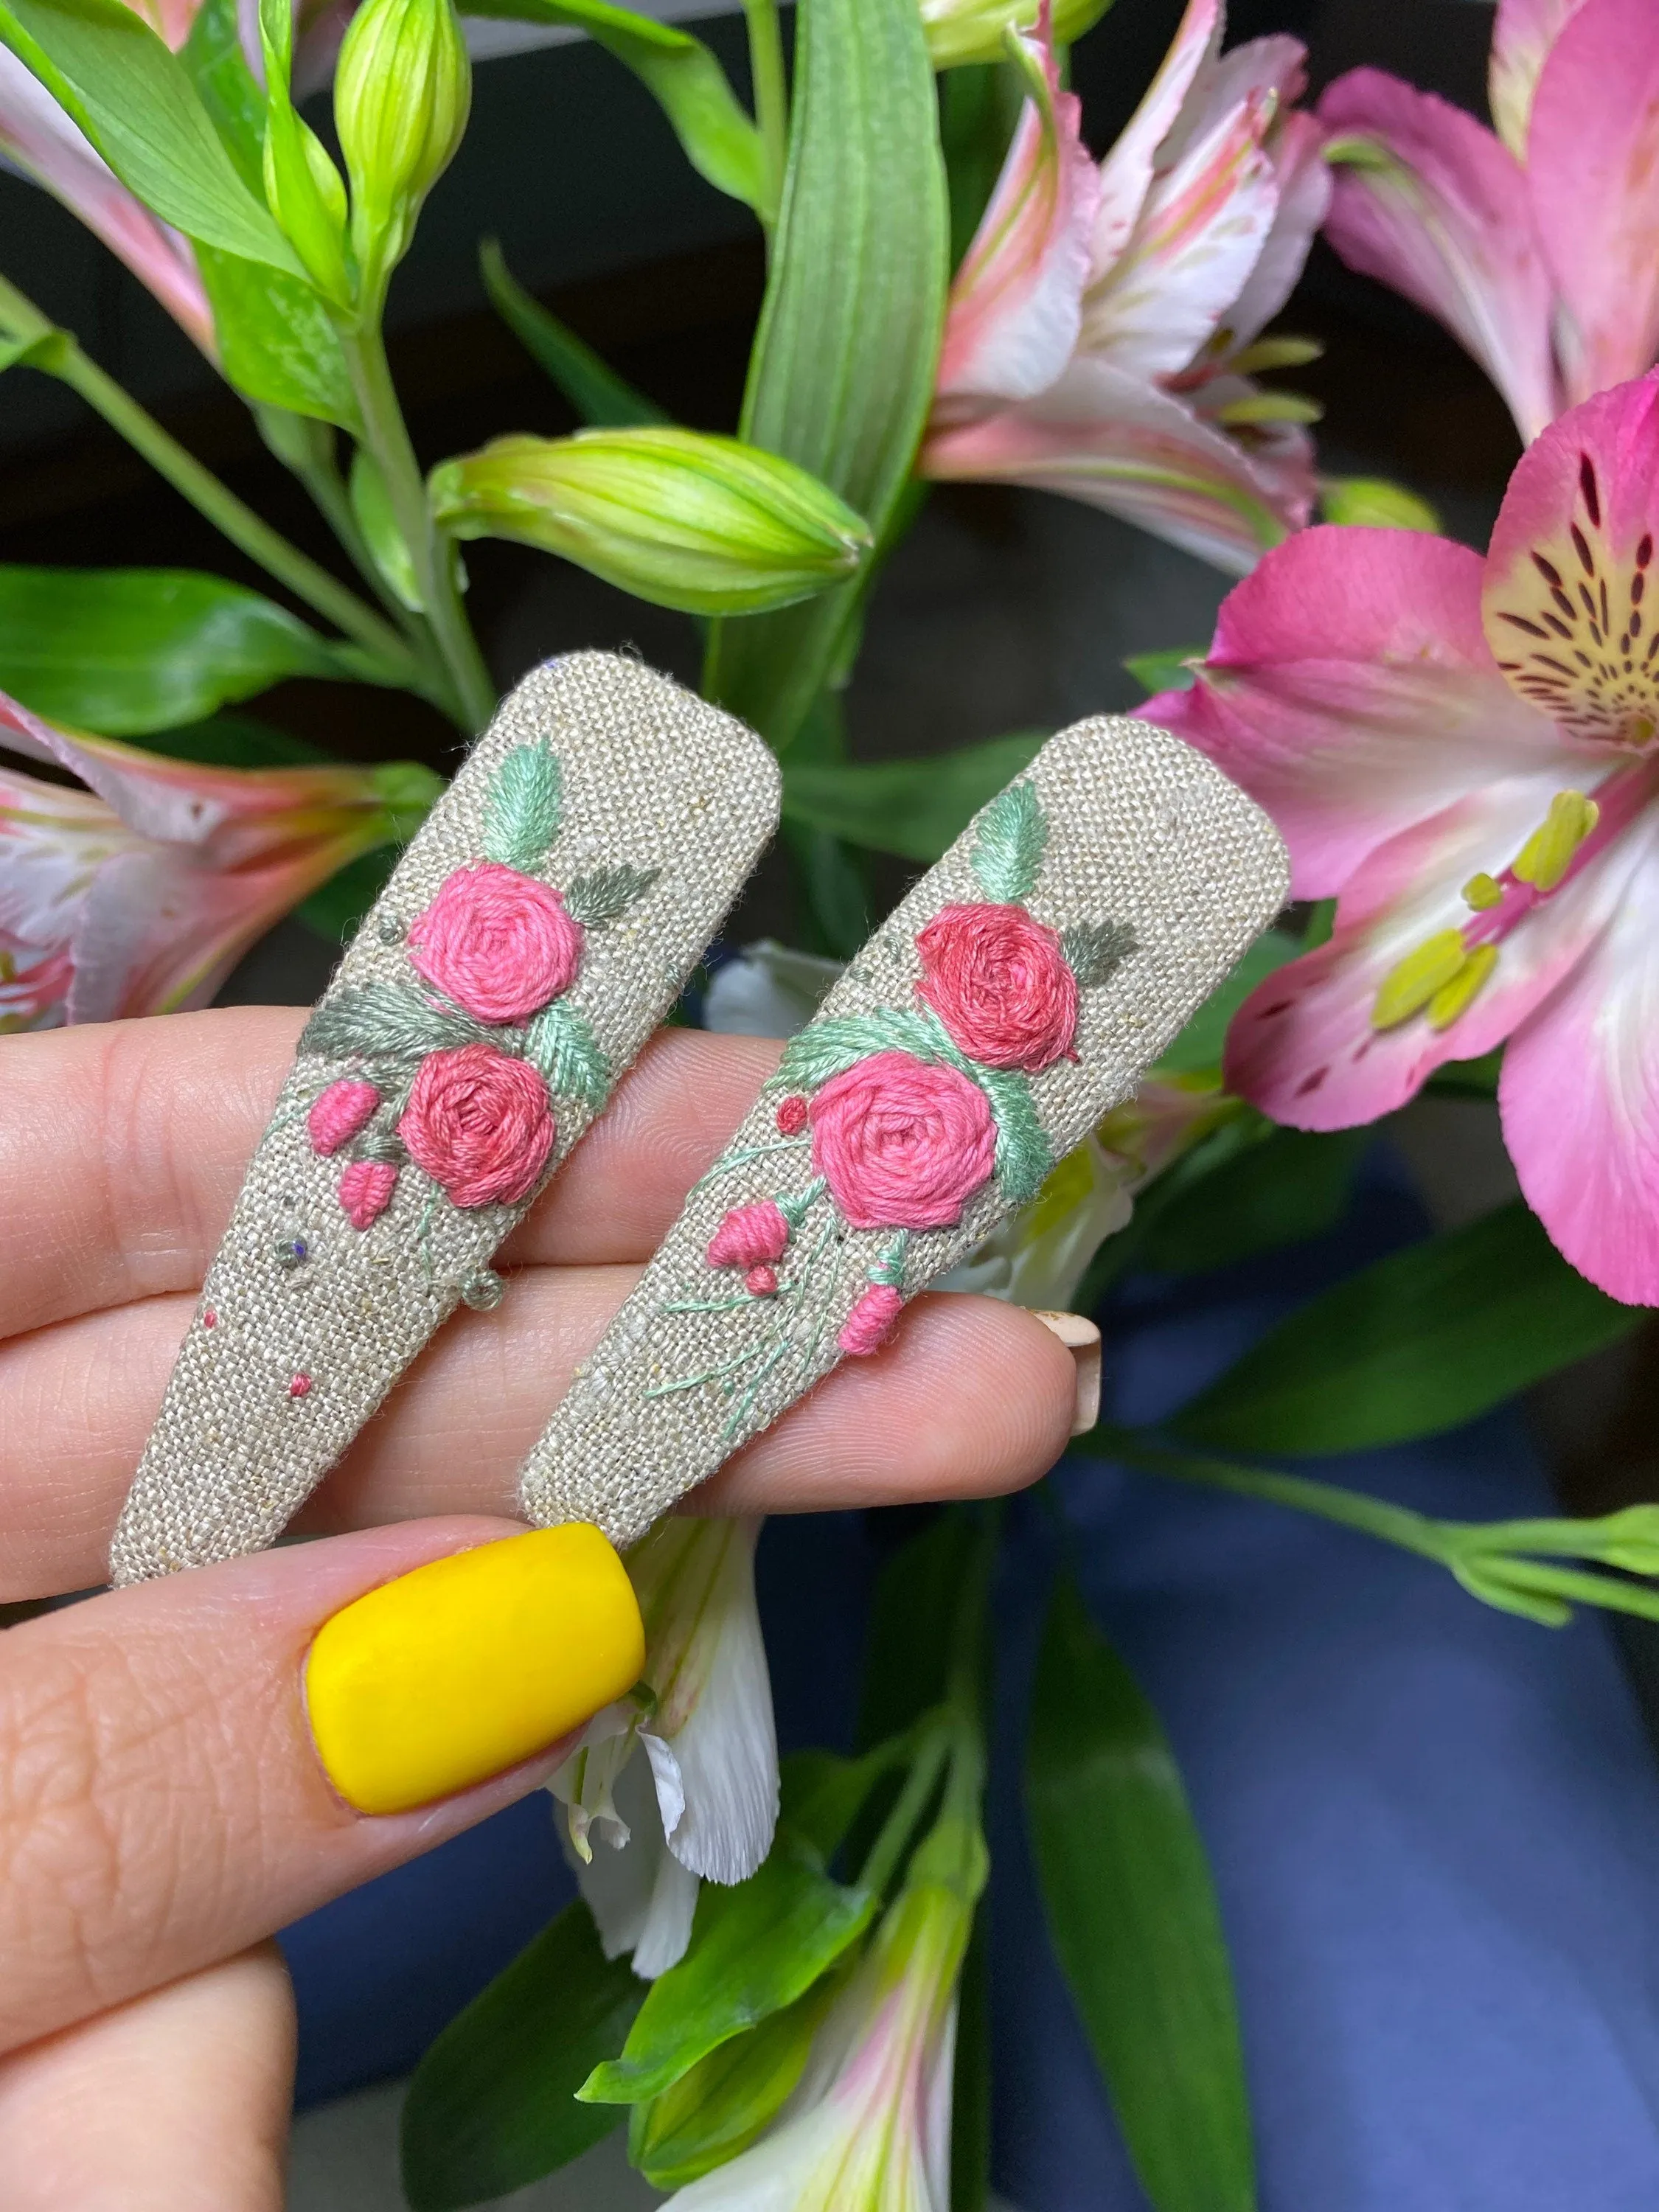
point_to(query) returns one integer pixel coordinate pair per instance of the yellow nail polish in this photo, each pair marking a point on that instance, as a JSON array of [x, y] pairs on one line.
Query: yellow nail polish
[[469, 1664]]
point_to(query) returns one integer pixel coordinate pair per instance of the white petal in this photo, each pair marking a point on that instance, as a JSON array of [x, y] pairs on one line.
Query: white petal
[[727, 1747], [667, 1926], [620, 1880]]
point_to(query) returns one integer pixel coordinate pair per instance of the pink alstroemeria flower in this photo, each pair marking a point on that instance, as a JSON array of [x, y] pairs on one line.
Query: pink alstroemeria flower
[[1466, 754], [1100, 335], [1536, 246], [138, 896]]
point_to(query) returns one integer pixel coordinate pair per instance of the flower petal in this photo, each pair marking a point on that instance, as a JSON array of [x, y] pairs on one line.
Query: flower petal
[[1304, 181], [1016, 301], [1125, 174], [640, 1897], [1350, 690], [1122, 444], [1303, 1046], [1592, 155], [52, 842], [1579, 1095], [1431, 203], [1566, 601], [1522, 34]]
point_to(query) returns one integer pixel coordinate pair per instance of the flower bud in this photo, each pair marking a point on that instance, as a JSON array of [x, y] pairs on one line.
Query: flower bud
[[1374, 503], [681, 517], [402, 92], [963, 31], [303, 189]]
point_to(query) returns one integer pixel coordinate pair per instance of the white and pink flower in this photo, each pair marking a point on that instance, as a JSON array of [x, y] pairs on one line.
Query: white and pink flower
[[1465, 754]]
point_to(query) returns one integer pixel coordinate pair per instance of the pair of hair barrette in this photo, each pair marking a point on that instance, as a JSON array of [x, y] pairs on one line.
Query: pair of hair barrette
[[547, 915]]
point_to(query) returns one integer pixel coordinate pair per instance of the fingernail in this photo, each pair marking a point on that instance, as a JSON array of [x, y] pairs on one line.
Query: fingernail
[[462, 1668], [1082, 1339]]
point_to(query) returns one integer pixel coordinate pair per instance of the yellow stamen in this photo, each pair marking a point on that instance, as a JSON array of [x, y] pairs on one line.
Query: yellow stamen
[[1545, 858], [1483, 891], [1455, 998], [1412, 982]]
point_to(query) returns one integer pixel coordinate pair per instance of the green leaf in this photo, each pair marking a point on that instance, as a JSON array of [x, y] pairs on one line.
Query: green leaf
[[277, 344], [385, 1021], [1008, 851], [726, 2099], [1416, 1343], [1291, 1186], [594, 390], [841, 376], [1374, 503], [523, 809], [822, 1794], [830, 1045], [559, 1044], [233, 741], [755, 1949], [123, 651], [377, 518], [1170, 669], [492, 2104], [1132, 1916], [1200, 1044], [135, 102], [720, 142], [605, 897], [227, 88], [915, 808], [1095, 951], [1025, 1156]]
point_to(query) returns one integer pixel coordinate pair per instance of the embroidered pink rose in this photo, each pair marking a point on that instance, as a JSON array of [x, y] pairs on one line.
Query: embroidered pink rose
[[498, 943], [366, 1190], [901, 1143], [872, 1321], [478, 1123], [338, 1114], [1001, 983], [749, 1235]]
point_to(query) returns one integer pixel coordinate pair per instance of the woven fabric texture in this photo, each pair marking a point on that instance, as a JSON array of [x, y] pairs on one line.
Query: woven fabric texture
[[1149, 860], [305, 1321]]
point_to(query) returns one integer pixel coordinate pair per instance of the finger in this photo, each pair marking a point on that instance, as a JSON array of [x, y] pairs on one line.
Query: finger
[[972, 1397], [177, 2102], [162, 1802], [123, 1146]]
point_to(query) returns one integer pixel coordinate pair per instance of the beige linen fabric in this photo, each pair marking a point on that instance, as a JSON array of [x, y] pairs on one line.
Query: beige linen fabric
[[652, 778], [1143, 835]]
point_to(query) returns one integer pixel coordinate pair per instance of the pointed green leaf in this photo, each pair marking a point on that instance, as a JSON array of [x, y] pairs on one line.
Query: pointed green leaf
[[561, 1045], [1132, 1916], [829, 1047], [605, 897], [726, 2099], [1008, 850], [387, 1021], [523, 809], [1414, 1343], [915, 808], [135, 102], [377, 518], [1025, 1156], [1097, 950], [123, 651], [492, 2104], [227, 88], [599, 395], [277, 344]]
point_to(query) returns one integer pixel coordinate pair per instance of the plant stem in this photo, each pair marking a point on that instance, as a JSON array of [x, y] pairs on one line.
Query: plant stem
[[386, 436], [59, 355], [882, 1861], [771, 90]]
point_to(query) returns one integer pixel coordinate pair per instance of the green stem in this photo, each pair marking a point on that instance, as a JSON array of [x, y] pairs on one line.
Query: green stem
[[771, 90], [59, 355], [882, 1861], [386, 437]]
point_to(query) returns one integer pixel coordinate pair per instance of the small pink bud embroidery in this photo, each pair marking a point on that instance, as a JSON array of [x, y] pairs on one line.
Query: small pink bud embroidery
[[761, 1282], [300, 1387], [366, 1190], [792, 1117], [750, 1236], [872, 1321], [210, 1319], [338, 1114]]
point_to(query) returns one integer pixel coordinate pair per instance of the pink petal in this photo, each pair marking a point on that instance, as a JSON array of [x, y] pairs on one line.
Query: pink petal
[[1303, 182], [1569, 603], [1124, 444], [1592, 169], [1521, 35], [1015, 303], [1579, 1097], [52, 842], [1350, 690], [1125, 174], [1438, 209], [41, 138], [1303, 1047]]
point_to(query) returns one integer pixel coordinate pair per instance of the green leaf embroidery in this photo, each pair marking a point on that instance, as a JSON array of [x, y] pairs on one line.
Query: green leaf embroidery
[[829, 1048], [521, 814], [388, 1021], [1008, 851], [1025, 1156], [598, 900], [1096, 950], [559, 1045]]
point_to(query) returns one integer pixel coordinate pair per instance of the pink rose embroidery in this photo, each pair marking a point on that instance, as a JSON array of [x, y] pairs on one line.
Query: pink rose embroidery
[[338, 1114], [872, 1321], [478, 1123], [1001, 983], [498, 943], [901, 1145], [749, 1235]]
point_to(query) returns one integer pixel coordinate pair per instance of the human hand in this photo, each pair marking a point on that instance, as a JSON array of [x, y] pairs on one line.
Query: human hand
[[162, 1808]]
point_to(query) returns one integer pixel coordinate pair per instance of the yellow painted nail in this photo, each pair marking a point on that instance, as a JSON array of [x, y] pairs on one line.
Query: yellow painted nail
[[462, 1668]]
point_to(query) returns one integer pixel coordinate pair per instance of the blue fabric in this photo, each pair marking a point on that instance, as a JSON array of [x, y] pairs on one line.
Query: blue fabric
[[1435, 1828]]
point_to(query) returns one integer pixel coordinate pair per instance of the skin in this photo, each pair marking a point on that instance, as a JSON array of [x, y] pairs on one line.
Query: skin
[[161, 1808]]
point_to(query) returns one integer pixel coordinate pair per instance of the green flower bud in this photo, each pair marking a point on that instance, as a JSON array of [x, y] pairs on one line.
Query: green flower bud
[[303, 189], [683, 519], [959, 32], [402, 93], [1372, 502]]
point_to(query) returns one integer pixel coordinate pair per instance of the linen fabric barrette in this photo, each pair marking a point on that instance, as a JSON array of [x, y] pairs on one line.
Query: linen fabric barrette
[[1015, 996], [530, 939]]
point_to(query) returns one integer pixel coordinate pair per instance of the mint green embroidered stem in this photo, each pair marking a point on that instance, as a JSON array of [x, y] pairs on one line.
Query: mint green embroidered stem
[[795, 1210], [889, 1268], [723, 1167], [708, 1375], [523, 808], [1007, 853]]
